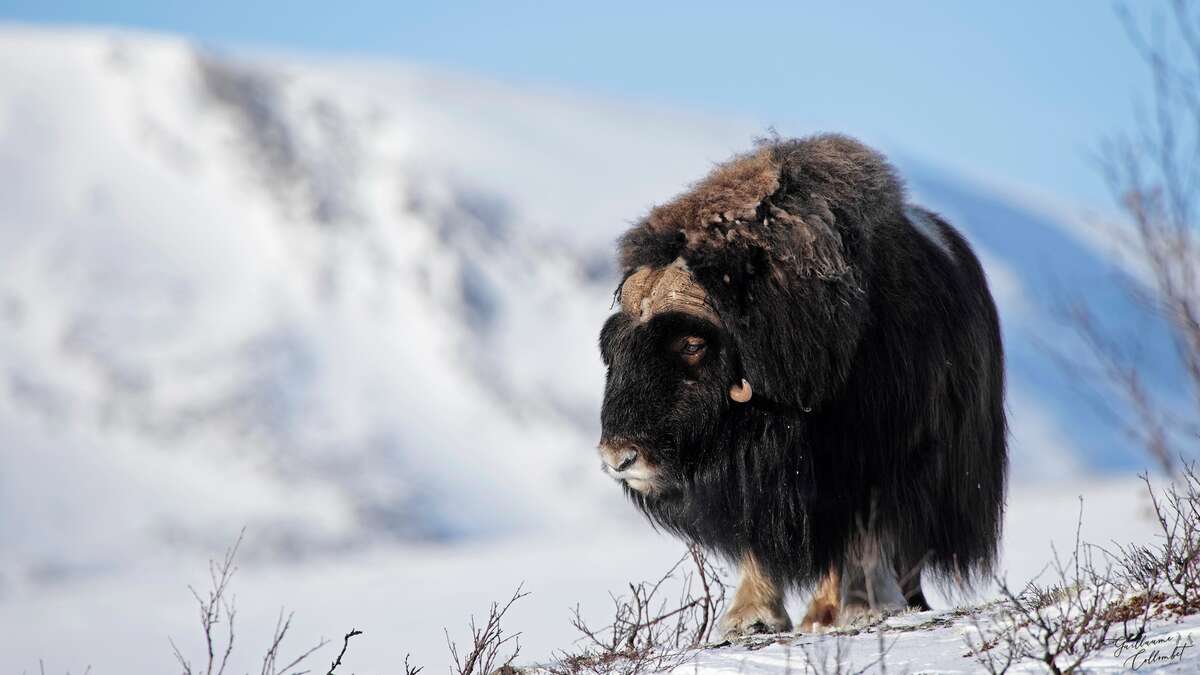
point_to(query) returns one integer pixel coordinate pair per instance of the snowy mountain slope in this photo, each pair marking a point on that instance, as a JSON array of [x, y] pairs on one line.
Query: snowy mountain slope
[[206, 264], [343, 283]]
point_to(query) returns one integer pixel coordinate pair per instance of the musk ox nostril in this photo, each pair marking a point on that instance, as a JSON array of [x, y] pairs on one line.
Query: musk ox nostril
[[627, 460]]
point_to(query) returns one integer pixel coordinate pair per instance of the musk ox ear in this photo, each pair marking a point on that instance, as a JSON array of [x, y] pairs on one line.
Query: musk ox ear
[[741, 392]]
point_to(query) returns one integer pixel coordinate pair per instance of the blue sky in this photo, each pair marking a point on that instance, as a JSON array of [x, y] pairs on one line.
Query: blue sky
[[1018, 91]]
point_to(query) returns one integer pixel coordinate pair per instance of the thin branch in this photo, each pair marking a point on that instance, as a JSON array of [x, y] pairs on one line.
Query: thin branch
[[346, 643]]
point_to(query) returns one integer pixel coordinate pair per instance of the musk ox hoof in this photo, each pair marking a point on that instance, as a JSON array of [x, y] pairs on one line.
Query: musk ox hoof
[[754, 620], [856, 615], [820, 617]]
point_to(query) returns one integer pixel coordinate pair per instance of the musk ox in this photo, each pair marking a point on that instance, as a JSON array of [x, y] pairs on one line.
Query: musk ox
[[805, 376]]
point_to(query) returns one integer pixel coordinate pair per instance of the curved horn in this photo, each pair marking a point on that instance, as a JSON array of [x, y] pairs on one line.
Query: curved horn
[[635, 288], [741, 392], [650, 291]]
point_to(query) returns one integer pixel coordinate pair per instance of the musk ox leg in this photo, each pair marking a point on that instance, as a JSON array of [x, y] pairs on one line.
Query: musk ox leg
[[869, 583], [916, 599], [823, 608], [910, 585], [757, 605]]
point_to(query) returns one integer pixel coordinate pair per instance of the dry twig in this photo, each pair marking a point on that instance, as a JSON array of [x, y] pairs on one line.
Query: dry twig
[[650, 631], [487, 642], [216, 605], [346, 643]]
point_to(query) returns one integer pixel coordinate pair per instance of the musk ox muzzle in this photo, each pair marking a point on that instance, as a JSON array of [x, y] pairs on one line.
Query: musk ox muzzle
[[626, 463]]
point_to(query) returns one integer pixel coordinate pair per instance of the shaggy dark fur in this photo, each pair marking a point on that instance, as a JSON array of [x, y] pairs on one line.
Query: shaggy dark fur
[[873, 347]]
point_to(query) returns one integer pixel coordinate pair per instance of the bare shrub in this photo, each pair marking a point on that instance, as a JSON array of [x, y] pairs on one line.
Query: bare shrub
[[1172, 562], [651, 631], [217, 605], [1091, 603], [1153, 174], [994, 648], [487, 643], [345, 644], [270, 662], [1101, 598], [411, 670]]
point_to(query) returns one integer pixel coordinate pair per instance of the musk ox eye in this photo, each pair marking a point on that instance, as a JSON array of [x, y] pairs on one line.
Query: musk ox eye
[[689, 348]]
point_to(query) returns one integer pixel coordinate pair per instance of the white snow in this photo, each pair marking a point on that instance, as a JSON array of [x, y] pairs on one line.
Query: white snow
[[402, 597], [940, 649]]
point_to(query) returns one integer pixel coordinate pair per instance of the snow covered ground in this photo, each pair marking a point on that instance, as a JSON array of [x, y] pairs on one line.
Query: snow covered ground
[[935, 642], [353, 308], [403, 596]]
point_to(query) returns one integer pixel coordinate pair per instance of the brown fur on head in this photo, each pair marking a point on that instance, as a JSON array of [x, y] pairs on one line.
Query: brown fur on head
[[732, 192], [782, 199]]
